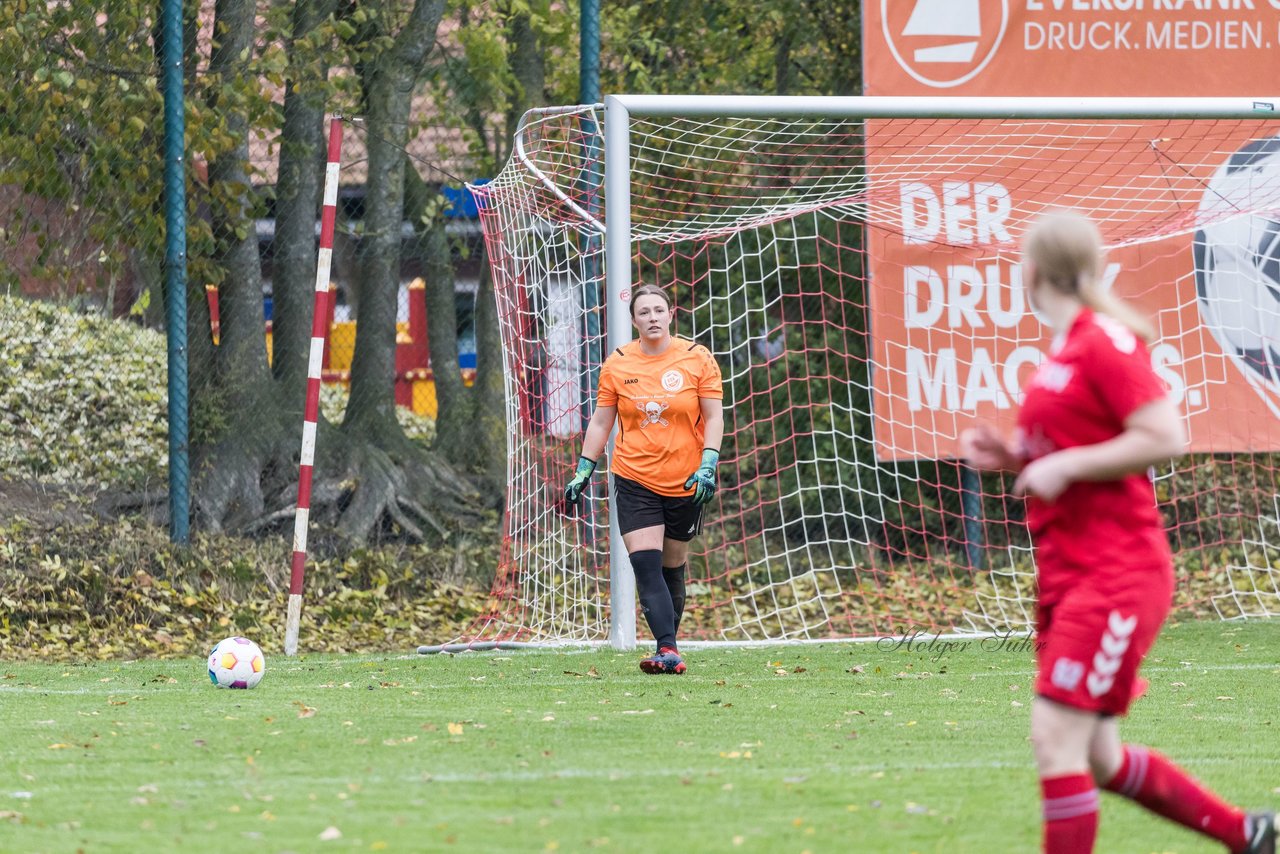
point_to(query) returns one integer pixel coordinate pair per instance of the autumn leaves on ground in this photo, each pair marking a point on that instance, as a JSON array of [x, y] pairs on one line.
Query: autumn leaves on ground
[[842, 747]]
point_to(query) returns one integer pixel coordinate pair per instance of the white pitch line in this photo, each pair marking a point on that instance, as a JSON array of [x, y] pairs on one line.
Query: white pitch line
[[728, 772], [748, 769], [141, 690]]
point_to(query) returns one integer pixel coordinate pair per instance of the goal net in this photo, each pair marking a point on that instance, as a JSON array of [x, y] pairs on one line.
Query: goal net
[[853, 265]]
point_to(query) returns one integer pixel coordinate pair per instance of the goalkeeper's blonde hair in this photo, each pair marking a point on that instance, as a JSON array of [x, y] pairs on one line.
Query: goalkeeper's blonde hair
[[1066, 248]]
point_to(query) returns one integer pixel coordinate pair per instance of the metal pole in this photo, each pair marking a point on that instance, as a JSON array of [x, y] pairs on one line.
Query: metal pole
[[590, 351], [617, 205], [589, 93], [175, 218], [975, 535], [589, 53]]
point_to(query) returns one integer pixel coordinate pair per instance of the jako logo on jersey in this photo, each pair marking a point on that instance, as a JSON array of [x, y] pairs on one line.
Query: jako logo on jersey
[[943, 43], [630, 381], [673, 380], [1110, 654]]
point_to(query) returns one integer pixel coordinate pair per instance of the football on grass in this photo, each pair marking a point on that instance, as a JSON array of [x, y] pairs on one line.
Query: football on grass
[[236, 663]]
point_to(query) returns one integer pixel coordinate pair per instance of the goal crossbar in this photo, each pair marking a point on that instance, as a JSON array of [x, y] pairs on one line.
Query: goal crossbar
[[883, 107]]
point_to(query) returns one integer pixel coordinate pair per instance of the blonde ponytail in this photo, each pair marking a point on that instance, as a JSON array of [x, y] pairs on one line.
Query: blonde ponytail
[[1066, 248], [1118, 310]]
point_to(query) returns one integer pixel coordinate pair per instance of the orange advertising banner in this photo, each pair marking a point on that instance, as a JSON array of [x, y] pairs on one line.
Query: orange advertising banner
[[954, 336], [1070, 47]]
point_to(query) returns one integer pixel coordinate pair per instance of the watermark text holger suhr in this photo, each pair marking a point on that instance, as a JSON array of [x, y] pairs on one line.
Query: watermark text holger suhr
[[938, 647]]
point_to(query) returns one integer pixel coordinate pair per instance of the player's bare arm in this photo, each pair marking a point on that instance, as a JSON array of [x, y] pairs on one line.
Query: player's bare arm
[[598, 431], [713, 417]]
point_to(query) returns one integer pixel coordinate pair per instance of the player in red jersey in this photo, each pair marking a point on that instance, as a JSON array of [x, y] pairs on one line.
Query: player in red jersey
[[1094, 418], [665, 393]]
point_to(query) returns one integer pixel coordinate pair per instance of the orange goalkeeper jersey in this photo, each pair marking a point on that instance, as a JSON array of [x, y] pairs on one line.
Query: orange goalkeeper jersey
[[660, 428]]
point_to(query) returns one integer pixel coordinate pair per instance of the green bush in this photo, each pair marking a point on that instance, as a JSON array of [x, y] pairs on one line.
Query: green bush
[[82, 398]]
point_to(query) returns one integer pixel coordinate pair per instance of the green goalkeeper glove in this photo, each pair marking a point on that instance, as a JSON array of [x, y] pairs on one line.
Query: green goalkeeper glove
[[703, 481], [573, 492]]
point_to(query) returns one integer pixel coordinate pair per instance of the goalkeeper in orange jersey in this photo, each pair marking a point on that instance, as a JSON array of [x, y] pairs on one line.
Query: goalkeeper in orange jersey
[[665, 393]]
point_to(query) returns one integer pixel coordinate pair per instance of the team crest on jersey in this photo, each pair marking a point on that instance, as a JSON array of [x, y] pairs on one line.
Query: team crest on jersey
[[673, 380], [1066, 674], [652, 413], [1053, 376]]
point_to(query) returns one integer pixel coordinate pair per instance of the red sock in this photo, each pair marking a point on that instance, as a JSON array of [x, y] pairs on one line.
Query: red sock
[[1070, 814], [1162, 787]]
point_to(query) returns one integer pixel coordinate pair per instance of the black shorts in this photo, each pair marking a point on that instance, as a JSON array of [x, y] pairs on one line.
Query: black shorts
[[638, 507]]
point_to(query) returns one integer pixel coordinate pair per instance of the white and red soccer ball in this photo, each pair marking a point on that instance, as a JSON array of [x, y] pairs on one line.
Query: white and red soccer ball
[[236, 663]]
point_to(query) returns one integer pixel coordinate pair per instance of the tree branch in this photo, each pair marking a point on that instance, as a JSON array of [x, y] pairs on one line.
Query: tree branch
[[419, 34], [56, 47]]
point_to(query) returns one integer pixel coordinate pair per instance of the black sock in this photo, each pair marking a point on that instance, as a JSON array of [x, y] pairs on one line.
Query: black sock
[[674, 576], [655, 599]]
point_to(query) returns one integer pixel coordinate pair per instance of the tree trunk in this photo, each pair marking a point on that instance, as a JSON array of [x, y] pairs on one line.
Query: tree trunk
[[453, 398], [528, 66], [782, 71], [471, 428], [389, 82], [398, 483], [243, 350], [371, 409], [298, 191], [230, 488], [490, 429]]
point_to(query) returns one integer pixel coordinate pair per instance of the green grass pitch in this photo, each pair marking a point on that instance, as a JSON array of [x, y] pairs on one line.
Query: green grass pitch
[[831, 748]]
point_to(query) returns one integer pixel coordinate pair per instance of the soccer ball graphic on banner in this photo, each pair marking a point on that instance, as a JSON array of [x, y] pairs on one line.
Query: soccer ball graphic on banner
[[1237, 258], [236, 663]]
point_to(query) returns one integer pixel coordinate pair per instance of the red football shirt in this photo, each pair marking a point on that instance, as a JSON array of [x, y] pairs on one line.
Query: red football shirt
[[1094, 379]]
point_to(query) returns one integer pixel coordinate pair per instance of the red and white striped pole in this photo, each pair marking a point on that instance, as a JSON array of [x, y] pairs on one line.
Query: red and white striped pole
[[319, 330]]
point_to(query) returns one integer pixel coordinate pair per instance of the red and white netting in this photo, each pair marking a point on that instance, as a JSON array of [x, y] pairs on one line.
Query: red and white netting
[[859, 283]]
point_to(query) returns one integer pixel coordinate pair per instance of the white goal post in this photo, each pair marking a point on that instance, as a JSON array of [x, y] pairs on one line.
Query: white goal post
[[852, 262]]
